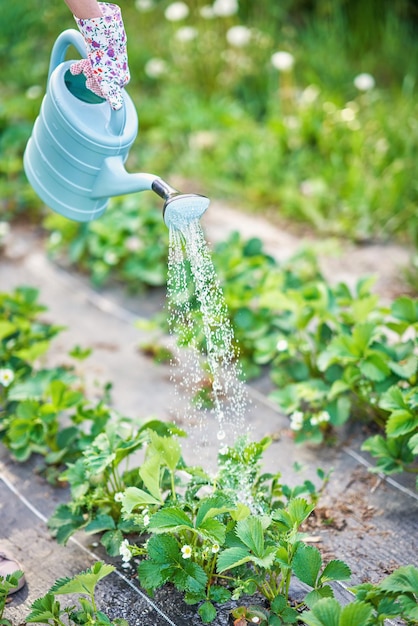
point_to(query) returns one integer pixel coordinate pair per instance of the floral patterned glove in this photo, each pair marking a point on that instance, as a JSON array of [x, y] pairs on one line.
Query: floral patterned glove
[[106, 67]]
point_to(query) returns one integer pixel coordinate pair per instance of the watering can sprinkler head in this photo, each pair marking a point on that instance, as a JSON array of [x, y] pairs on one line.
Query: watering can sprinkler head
[[179, 208], [75, 156]]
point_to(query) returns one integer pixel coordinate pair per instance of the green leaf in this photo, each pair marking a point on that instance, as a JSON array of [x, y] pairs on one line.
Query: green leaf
[[212, 506], [409, 606], [150, 472], [406, 368], [335, 570], [232, 557], [297, 511], [62, 397], [404, 579], [133, 497], [7, 328], [8, 582], [387, 451], [169, 519], [163, 549], [44, 609], [219, 594], [400, 423], [189, 576], [250, 531], [33, 352], [85, 582], [207, 612], [338, 387], [213, 529], [111, 540], [64, 523], [413, 444], [317, 594], [241, 512], [80, 353], [339, 410], [164, 429], [374, 367], [405, 309], [290, 616], [326, 612], [151, 576], [100, 523], [393, 399], [355, 614], [362, 335], [279, 603], [306, 564], [168, 449], [364, 285]]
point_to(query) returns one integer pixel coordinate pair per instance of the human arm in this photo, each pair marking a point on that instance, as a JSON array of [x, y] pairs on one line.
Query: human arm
[[84, 9]]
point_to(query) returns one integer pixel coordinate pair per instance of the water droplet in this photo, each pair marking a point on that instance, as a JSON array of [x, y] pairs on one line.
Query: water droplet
[[221, 435]]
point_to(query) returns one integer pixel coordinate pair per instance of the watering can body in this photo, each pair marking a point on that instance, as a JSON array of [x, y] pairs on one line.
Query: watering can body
[[75, 155]]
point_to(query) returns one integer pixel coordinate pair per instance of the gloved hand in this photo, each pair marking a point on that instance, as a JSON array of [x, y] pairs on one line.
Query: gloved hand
[[106, 67]]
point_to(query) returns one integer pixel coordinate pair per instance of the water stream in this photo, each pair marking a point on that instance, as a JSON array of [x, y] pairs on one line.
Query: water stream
[[198, 317]]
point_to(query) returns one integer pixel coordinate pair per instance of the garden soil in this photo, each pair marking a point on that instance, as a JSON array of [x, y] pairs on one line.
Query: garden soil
[[368, 521]]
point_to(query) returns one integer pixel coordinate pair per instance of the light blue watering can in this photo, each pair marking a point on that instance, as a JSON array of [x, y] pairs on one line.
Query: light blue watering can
[[75, 157]]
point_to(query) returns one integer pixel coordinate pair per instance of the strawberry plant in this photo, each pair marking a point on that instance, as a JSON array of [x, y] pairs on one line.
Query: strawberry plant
[[48, 610], [7, 584], [97, 480], [34, 400]]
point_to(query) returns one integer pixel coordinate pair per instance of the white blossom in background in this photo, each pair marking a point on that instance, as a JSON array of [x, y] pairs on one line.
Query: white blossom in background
[[282, 61], [323, 416], [296, 420], [34, 92], [207, 12], [125, 551], [6, 376], [154, 68], [186, 34], [215, 548], [118, 496], [320, 418], [55, 238], [282, 345], [347, 114], [202, 140], [110, 257], [145, 520], [186, 552], [225, 8], [364, 82], [310, 94], [176, 11], [133, 244], [238, 36], [144, 5]]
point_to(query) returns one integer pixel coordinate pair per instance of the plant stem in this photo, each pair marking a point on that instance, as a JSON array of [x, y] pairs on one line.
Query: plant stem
[[173, 487]]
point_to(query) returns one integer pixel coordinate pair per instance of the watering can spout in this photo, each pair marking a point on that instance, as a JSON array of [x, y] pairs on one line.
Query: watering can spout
[[114, 180], [179, 208]]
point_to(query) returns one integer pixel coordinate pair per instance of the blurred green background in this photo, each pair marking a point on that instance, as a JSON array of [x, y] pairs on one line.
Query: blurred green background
[[325, 135]]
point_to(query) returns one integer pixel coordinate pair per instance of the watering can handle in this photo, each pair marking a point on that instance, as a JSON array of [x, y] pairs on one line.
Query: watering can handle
[[72, 37]]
